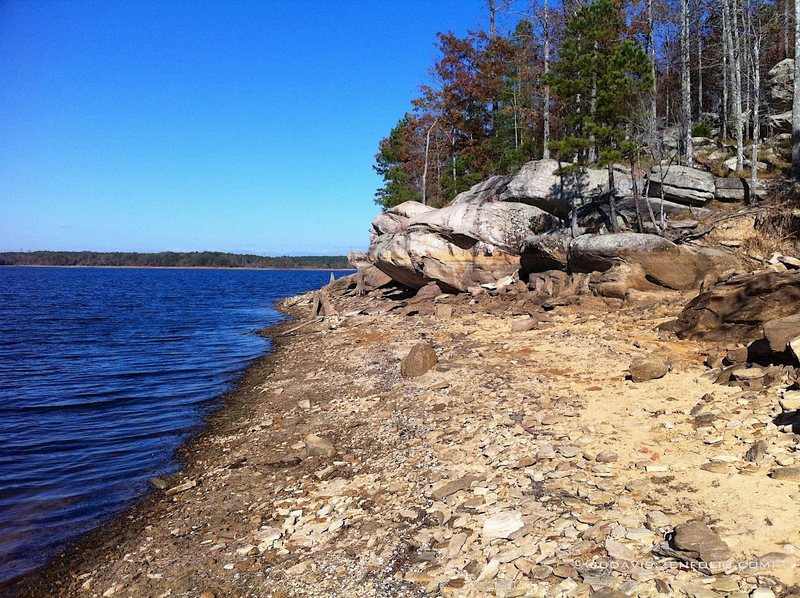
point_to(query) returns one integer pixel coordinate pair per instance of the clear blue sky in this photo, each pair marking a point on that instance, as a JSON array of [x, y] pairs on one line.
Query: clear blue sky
[[233, 126]]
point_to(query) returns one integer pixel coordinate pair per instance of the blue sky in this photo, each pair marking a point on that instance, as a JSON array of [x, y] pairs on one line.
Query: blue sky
[[233, 126]]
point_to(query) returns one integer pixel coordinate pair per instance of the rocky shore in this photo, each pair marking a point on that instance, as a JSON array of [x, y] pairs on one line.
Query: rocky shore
[[483, 443]]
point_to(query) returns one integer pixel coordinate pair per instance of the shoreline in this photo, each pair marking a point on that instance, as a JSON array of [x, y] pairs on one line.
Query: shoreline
[[230, 409], [522, 462], [182, 268]]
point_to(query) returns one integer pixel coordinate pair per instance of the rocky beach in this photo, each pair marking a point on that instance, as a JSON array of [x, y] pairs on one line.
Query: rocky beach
[[485, 443]]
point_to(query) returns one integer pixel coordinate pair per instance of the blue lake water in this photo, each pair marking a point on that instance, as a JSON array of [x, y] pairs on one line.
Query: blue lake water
[[103, 373]]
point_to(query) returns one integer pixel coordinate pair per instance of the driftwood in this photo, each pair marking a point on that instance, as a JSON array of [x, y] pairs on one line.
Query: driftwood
[[322, 306], [361, 288]]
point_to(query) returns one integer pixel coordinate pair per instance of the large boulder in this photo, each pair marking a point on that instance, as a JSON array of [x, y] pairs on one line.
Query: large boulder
[[548, 251], [462, 245], [650, 261], [500, 224], [781, 331], [780, 81], [732, 189], [682, 184], [538, 184], [737, 310]]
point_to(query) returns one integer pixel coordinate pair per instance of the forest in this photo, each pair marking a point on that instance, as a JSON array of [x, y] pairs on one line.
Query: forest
[[630, 81], [170, 259]]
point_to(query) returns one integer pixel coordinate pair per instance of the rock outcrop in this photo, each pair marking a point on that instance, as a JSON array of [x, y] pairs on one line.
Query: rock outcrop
[[537, 184], [514, 222], [682, 184], [648, 260], [732, 189], [780, 123], [737, 310], [465, 244], [780, 81], [548, 251]]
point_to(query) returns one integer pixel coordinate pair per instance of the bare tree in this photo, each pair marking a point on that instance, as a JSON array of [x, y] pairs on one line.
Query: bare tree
[[651, 50], [546, 108], [756, 60], [425, 169], [736, 62], [724, 106], [796, 95], [686, 84]]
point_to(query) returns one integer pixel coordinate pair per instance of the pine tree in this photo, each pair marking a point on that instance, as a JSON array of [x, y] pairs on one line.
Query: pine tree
[[603, 81]]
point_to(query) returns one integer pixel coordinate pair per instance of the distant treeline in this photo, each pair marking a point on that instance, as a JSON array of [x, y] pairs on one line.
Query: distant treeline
[[171, 259]]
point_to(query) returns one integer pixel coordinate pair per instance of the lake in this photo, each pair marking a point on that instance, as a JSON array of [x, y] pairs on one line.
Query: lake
[[103, 374]]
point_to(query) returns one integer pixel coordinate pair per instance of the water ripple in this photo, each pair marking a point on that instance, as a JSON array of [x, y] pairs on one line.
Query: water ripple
[[103, 373]]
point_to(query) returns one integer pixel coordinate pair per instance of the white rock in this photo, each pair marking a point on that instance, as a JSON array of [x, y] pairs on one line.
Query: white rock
[[618, 551], [489, 570], [502, 525]]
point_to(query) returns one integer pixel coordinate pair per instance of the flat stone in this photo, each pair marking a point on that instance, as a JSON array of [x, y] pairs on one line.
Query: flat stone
[[649, 368], [181, 487], [606, 457], [780, 331], [502, 525], [736, 356], [790, 262], [489, 570], [696, 542], [618, 551], [419, 360], [444, 312], [524, 325], [639, 534], [445, 489], [791, 474], [317, 446], [790, 401], [748, 373], [794, 347]]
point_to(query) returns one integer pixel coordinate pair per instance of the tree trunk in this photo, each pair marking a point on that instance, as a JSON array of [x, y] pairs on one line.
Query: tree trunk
[[736, 59], [546, 108], [612, 199], [699, 75], [453, 150], [756, 102], [724, 115], [796, 98], [651, 48], [686, 85], [650, 207], [425, 169], [635, 189]]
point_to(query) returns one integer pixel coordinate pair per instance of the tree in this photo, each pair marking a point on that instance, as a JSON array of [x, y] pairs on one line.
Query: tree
[[686, 91], [796, 95], [602, 79], [396, 162]]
